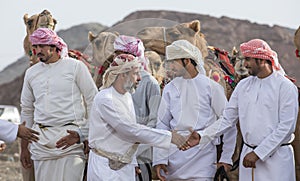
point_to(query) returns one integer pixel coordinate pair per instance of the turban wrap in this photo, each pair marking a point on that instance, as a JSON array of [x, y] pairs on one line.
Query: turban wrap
[[258, 48], [121, 64], [183, 49], [46, 36], [132, 45]]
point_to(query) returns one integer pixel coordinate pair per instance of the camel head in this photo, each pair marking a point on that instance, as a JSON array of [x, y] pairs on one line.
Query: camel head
[[41, 20], [102, 46], [157, 38], [103, 51], [155, 65]]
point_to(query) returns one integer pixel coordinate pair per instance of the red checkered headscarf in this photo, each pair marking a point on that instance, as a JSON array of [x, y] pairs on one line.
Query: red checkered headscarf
[[45, 36], [258, 48]]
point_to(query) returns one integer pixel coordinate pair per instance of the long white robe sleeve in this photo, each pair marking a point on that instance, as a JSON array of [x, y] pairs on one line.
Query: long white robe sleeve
[[113, 129], [113, 126], [8, 131]]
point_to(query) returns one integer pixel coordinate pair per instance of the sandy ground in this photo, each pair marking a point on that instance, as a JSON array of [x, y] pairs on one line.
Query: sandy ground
[[10, 169]]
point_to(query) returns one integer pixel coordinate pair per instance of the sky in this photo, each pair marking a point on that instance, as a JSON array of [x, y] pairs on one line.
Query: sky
[[72, 12]]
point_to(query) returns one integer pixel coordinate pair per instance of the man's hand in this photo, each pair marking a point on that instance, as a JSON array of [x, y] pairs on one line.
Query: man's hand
[[86, 148], [25, 155], [138, 170], [250, 160], [161, 167], [192, 141], [178, 139], [226, 166], [68, 140], [27, 133], [2, 146]]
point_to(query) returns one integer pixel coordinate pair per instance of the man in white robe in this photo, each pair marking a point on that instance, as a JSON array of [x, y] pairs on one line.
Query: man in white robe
[[191, 101], [146, 97], [52, 104], [114, 134], [266, 105]]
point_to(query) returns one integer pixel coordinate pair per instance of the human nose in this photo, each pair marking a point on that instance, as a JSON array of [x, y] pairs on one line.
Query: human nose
[[138, 78], [37, 49], [244, 63]]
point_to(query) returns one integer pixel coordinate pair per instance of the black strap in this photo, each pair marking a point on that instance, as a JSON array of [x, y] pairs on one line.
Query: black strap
[[253, 147], [236, 163], [42, 126]]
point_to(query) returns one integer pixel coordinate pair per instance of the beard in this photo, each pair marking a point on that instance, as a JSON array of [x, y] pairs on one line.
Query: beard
[[129, 86], [43, 58]]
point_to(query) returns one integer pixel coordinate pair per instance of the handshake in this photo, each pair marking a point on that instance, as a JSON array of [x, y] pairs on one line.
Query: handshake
[[185, 142]]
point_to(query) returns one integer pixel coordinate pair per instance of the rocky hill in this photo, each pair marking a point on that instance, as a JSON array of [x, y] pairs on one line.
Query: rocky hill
[[226, 32], [221, 32]]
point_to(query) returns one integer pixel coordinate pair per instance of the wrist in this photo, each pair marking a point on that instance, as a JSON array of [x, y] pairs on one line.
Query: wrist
[[80, 137]]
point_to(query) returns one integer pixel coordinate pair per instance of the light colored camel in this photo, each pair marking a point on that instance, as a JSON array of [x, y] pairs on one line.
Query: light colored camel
[[102, 52], [296, 142], [297, 40], [157, 38], [155, 65]]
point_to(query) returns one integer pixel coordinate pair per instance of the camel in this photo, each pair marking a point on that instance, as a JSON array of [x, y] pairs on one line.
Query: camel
[[296, 141], [43, 19], [155, 65], [297, 41], [103, 52], [157, 38]]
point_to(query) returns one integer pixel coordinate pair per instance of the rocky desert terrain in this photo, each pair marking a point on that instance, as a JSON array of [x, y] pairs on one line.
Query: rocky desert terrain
[[10, 163]]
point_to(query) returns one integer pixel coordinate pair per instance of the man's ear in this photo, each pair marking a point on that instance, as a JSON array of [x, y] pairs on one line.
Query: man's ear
[[186, 62]]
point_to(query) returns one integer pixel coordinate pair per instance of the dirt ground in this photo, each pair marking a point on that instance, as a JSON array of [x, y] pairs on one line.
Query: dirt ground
[[10, 169]]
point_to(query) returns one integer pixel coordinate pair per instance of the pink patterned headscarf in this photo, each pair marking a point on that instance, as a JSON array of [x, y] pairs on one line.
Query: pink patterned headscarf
[[132, 45], [46, 36], [258, 48]]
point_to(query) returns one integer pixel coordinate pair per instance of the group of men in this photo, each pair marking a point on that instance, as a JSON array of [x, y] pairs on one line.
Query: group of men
[[62, 109]]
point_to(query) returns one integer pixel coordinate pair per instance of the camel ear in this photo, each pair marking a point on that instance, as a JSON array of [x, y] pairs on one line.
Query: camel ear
[[55, 22], [116, 33], [195, 25], [297, 38], [91, 36], [234, 51], [25, 18]]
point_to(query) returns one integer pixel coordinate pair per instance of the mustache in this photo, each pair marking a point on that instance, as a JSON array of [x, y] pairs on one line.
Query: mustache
[[40, 54]]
